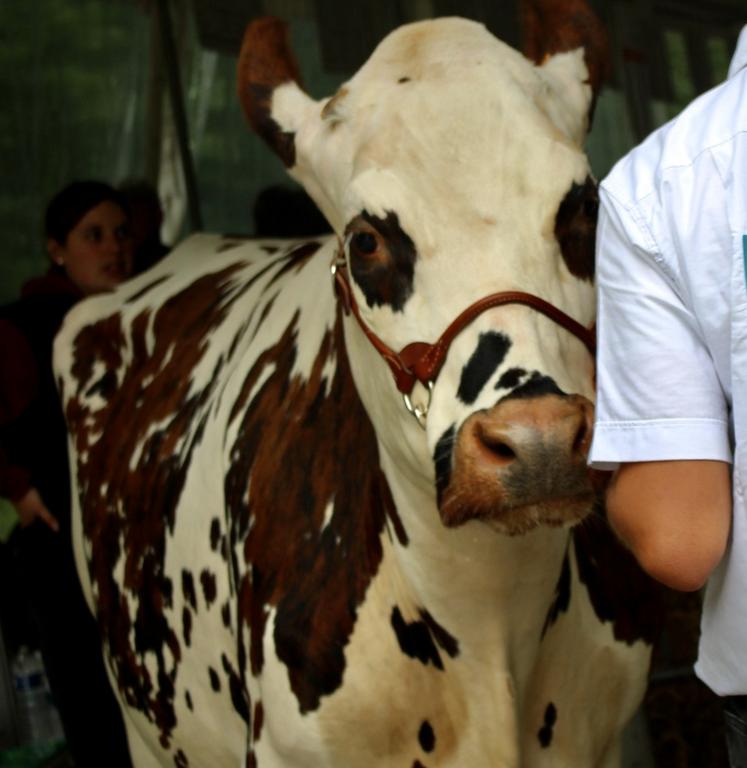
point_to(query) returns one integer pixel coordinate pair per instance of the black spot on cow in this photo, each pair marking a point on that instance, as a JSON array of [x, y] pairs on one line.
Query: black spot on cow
[[239, 696], [576, 226], [417, 764], [510, 378], [545, 732], [188, 700], [442, 461], [446, 641], [214, 533], [415, 640], [214, 679], [426, 737], [624, 595], [392, 515], [562, 598], [535, 386], [382, 260], [207, 580], [489, 354], [225, 614], [187, 625], [180, 759], [404, 80], [418, 639], [188, 589], [259, 719]]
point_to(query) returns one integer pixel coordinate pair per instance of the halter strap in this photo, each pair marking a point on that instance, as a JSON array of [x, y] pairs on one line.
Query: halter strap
[[420, 361]]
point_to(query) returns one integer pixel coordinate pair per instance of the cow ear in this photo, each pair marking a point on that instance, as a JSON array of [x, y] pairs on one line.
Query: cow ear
[[551, 27], [266, 65]]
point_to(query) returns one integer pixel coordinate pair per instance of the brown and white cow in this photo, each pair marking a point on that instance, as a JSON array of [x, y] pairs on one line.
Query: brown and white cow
[[288, 568]]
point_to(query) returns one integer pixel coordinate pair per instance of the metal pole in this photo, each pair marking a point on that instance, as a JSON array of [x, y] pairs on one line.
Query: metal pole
[[176, 99]]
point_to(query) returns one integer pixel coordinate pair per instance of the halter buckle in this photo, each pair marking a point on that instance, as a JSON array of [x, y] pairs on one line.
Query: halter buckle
[[418, 410]]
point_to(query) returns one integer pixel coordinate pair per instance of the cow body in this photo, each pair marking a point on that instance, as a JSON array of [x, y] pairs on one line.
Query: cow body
[[287, 569]]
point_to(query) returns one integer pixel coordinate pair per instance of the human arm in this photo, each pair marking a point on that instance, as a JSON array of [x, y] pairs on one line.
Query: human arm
[[18, 384], [674, 516], [662, 408]]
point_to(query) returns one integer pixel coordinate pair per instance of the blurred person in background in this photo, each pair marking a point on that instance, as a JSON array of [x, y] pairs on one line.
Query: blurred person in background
[[89, 244], [146, 217]]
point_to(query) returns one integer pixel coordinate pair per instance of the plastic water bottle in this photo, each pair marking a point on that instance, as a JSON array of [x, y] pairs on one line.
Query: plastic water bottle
[[38, 719]]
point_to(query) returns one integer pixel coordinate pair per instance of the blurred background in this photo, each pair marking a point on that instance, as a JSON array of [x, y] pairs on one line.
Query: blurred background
[[122, 89]]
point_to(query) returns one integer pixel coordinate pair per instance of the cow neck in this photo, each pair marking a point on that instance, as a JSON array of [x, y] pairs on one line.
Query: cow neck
[[421, 361]]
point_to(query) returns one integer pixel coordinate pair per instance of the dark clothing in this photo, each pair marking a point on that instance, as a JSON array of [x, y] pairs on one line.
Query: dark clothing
[[33, 453], [147, 254], [735, 719]]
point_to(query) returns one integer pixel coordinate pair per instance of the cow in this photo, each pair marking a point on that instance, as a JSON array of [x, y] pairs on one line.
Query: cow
[[331, 499]]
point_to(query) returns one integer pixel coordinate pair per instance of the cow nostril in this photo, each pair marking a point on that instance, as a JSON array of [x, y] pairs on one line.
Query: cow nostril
[[496, 445], [503, 450]]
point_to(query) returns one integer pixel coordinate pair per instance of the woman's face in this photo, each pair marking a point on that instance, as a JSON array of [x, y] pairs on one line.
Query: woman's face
[[97, 254]]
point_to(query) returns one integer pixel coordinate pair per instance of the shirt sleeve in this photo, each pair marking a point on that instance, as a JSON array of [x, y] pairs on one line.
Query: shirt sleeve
[[658, 394]]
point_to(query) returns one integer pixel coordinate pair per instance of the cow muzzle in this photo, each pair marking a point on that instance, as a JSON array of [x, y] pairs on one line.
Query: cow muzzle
[[522, 463]]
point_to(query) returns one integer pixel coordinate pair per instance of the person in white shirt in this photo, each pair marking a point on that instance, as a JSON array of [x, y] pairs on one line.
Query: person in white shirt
[[671, 417]]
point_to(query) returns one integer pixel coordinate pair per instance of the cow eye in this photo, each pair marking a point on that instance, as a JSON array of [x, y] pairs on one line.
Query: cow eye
[[363, 243]]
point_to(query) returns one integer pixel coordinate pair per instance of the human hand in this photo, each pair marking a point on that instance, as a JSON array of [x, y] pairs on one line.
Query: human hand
[[30, 507]]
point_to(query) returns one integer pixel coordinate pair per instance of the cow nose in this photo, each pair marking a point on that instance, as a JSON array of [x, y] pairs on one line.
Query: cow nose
[[521, 431], [522, 463]]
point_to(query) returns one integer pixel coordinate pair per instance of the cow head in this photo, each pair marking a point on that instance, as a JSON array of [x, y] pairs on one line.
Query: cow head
[[451, 167]]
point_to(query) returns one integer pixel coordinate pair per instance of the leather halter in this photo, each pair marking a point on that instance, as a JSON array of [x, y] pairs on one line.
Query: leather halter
[[421, 361]]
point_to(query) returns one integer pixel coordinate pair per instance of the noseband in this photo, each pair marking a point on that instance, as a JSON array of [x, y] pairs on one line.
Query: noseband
[[420, 361]]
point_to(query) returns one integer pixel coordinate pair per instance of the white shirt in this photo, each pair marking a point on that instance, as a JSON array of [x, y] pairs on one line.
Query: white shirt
[[672, 327]]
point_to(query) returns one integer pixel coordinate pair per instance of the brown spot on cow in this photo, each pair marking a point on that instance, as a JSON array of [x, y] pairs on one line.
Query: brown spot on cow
[[170, 414], [295, 259], [146, 289], [313, 581], [229, 245], [265, 62]]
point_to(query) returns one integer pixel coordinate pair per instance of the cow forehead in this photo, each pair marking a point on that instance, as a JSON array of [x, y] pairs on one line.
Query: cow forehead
[[451, 124]]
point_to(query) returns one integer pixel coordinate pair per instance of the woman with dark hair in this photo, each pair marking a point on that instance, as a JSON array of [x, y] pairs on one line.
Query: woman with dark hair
[[88, 242]]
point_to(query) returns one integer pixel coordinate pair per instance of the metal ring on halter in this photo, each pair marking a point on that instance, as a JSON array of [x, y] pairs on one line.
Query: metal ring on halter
[[419, 411]]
